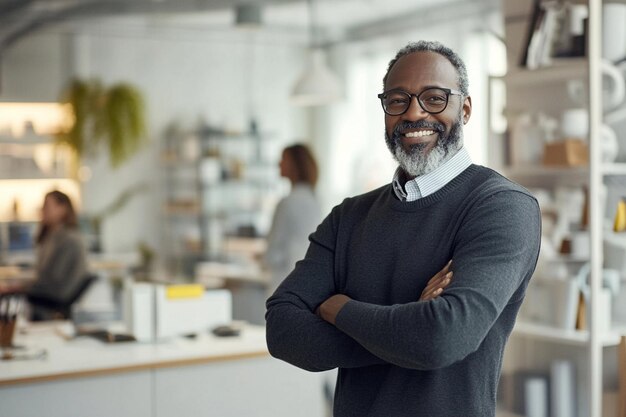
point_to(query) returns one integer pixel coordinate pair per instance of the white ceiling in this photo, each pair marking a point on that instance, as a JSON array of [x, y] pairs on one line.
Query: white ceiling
[[335, 18], [328, 13]]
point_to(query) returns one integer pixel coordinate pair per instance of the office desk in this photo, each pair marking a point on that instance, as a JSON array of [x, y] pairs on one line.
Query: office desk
[[208, 376], [13, 278]]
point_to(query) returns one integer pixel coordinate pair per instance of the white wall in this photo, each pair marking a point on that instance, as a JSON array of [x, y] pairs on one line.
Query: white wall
[[35, 68]]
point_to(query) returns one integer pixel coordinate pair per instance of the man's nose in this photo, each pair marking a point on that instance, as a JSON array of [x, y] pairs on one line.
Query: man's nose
[[415, 111]]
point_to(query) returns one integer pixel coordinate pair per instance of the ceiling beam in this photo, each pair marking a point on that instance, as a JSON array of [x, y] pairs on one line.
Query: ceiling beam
[[34, 15], [8, 7], [423, 17]]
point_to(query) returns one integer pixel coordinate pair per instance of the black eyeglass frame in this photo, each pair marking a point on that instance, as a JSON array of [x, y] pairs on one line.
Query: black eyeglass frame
[[448, 92]]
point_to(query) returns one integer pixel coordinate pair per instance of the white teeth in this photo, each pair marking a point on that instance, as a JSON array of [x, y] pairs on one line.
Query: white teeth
[[419, 133]]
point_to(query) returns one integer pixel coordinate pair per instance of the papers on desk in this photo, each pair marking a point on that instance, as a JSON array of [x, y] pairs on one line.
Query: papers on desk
[[23, 353]]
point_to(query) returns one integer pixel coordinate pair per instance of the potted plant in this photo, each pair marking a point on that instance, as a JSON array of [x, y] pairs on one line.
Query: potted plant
[[112, 117]]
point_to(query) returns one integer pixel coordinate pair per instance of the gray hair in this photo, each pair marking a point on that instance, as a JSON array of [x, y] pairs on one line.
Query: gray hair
[[436, 47]]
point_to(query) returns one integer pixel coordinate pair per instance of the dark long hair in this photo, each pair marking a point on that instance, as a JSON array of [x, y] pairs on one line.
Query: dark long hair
[[70, 220], [304, 163]]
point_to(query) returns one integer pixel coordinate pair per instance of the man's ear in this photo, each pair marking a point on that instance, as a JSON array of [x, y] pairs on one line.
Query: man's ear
[[467, 109]]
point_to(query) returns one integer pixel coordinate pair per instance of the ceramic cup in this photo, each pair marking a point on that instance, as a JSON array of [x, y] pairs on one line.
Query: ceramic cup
[[610, 144], [575, 123], [613, 83], [613, 87]]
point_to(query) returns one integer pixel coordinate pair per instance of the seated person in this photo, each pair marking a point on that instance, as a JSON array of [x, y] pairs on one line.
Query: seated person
[[60, 264]]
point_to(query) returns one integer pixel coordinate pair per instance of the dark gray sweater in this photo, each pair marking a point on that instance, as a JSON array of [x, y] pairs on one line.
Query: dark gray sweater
[[61, 265], [398, 356]]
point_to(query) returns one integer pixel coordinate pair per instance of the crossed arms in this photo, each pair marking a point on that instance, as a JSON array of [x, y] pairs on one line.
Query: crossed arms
[[329, 309], [493, 260]]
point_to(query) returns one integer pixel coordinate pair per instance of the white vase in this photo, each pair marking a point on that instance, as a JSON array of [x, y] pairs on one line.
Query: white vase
[[575, 123], [610, 145]]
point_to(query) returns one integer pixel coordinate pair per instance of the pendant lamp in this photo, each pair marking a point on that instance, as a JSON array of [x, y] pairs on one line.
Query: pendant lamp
[[248, 15], [317, 85]]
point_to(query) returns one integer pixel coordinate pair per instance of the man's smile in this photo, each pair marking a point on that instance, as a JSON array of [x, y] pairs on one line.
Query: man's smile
[[416, 137], [419, 133]]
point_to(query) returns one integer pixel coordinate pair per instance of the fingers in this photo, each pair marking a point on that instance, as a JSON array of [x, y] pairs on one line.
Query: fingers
[[438, 277], [437, 287], [437, 283]]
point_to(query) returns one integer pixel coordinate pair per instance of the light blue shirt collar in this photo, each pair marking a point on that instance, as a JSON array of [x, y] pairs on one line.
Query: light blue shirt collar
[[427, 184]]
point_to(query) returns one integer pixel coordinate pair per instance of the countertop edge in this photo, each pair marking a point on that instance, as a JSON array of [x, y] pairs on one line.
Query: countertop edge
[[132, 368]]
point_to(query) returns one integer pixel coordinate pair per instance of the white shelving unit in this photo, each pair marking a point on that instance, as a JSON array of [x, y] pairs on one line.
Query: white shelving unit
[[544, 90], [30, 166], [217, 185]]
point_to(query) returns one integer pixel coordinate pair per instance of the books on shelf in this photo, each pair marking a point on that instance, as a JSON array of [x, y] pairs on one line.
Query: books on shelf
[[539, 393], [562, 388], [536, 398], [542, 34]]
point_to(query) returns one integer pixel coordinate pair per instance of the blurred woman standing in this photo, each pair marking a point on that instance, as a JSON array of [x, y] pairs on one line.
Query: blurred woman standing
[[296, 216]]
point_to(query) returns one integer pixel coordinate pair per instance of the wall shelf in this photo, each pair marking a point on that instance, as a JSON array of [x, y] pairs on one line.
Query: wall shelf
[[561, 70], [616, 168], [562, 336], [541, 176], [30, 138], [573, 175]]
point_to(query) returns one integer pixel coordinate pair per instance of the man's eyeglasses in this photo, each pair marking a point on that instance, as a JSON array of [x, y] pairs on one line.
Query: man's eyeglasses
[[432, 100]]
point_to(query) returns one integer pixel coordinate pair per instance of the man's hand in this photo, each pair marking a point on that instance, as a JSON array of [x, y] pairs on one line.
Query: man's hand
[[437, 283], [329, 309]]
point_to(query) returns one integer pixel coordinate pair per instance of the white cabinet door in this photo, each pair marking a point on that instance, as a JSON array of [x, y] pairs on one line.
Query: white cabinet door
[[259, 387], [119, 395]]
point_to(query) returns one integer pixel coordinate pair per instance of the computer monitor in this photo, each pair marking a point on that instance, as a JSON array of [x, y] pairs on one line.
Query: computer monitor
[[21, 236]]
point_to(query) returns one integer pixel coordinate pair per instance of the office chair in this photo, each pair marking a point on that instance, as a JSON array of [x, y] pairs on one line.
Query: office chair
[[62, 310]]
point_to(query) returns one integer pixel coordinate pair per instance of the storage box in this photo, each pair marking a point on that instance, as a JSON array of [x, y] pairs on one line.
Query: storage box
[[568, 152], [189, 309], [156, 311]]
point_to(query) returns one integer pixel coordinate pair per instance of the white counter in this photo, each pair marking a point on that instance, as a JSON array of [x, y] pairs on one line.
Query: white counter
[[232, 376], [88, 356]]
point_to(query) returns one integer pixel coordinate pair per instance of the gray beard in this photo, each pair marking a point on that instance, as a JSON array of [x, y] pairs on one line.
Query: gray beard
[[416, 162]]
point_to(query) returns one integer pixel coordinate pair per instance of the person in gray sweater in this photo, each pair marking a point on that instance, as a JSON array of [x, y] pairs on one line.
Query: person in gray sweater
[[61, 261], [412, 289], [296, 215]]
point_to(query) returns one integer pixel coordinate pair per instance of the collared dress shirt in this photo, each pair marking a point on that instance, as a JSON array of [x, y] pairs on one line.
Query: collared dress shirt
[[427, 184]]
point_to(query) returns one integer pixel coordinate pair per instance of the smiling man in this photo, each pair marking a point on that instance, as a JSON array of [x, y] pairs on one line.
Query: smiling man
[[418, 142], [375, 296]]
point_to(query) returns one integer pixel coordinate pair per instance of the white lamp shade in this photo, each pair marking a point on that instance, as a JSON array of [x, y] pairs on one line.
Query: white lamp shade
[[317, 85]]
